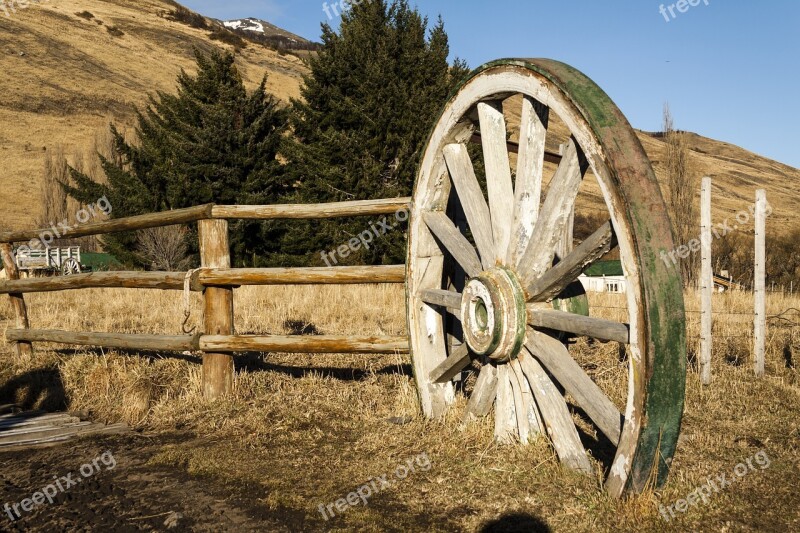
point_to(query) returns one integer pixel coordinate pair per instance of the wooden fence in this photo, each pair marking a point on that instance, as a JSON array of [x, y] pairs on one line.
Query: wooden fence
[[215, 279]]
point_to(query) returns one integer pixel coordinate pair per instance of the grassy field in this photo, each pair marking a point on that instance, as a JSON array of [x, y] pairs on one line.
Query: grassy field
[[306, 430]]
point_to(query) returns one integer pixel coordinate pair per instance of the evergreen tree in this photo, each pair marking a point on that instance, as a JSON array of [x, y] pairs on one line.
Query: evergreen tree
[[210, 142], [367, 107]]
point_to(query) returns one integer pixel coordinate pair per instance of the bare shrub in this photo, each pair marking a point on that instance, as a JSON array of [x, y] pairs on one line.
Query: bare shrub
[[52, 196], [165, 248], [188, 17], [683, 186]]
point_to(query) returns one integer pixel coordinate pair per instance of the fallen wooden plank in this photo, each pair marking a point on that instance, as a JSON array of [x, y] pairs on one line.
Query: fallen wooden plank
[[29, 438], [27, 430]]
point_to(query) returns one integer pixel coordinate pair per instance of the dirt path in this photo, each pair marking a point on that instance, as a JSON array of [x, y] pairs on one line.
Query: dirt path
[[122, 492]]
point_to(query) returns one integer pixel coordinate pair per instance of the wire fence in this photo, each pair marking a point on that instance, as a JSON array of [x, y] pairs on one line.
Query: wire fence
[[780, 320]]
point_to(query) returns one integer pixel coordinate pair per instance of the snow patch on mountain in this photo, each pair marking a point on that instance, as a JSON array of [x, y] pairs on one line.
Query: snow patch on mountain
[[245, 24]]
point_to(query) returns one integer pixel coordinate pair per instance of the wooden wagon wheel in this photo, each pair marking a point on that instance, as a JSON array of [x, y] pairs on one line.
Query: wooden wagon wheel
[[70, 266], [483, 275]]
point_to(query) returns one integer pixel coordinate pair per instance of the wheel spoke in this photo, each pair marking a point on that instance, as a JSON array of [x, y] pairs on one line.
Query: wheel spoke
[[505, 415], [483, 394], [458, 361], [554, 215], [453, 241], [556, 416], [472, 200], [530, 167], [498, 176], [442, 298], [558, 278], [598, 328], [555, 357], [528, 422], [565, 244]]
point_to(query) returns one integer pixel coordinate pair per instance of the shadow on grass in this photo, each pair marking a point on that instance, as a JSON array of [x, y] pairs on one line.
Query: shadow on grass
[[516, 522], [40, 389], [255, 362]]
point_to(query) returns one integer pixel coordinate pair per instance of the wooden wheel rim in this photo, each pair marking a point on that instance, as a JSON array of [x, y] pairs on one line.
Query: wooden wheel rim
[[657, 326]]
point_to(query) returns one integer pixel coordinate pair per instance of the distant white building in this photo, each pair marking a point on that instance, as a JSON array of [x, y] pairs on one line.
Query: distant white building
[[612, 284], [604, 276]]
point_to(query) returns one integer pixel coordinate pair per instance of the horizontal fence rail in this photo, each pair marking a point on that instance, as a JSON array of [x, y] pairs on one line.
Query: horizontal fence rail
[[219, 343], [299, 276], [311, 211], [123, 341], [116, 225], [210, 277], [228, 212], [304, 344], [96, 280], [216, 280]]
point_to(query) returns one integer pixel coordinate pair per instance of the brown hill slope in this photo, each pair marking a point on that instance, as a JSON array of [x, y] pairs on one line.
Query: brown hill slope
[[66, 77]]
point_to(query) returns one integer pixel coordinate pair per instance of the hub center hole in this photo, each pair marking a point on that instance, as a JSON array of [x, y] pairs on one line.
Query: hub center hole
[[481, 315]]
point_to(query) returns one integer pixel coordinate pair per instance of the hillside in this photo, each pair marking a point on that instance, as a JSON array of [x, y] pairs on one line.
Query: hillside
[[68, 76]]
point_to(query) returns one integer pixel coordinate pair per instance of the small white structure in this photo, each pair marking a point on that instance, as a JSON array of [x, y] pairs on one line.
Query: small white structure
[[610, 284]]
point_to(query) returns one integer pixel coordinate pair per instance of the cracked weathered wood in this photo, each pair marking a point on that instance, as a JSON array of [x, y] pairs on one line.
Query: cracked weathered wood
[[554, 215], [498, 176], [597, 328], [453, 241], [455, 363], [555, 415], [555, 357], [22, 348], [472, 201], [218, 370], [558, 278], [483, 394], [530, 167]]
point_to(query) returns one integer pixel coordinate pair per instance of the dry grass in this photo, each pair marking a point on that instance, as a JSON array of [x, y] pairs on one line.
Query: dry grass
[[314, 427]]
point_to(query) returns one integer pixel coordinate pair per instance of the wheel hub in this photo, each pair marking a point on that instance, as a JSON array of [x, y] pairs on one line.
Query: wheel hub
[[493, 314]]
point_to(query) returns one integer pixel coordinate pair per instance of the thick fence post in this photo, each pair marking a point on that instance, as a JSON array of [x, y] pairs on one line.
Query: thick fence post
[[706, 282], [760, 326], [23, 349], [218, 308]]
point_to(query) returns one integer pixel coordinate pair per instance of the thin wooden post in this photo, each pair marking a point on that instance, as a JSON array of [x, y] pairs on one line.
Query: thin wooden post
[[218, 309], [760, 326], [23, 349], [706, 282]]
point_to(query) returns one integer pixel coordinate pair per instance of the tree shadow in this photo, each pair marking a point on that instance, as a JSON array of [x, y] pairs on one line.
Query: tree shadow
[[516, 522], [41, 389], [787, 354]]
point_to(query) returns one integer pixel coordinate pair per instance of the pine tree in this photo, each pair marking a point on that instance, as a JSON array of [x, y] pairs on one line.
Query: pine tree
[[367, 107], [210, 142]]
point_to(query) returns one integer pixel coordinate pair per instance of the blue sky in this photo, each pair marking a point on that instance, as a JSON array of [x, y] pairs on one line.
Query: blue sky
[[729, 70]]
